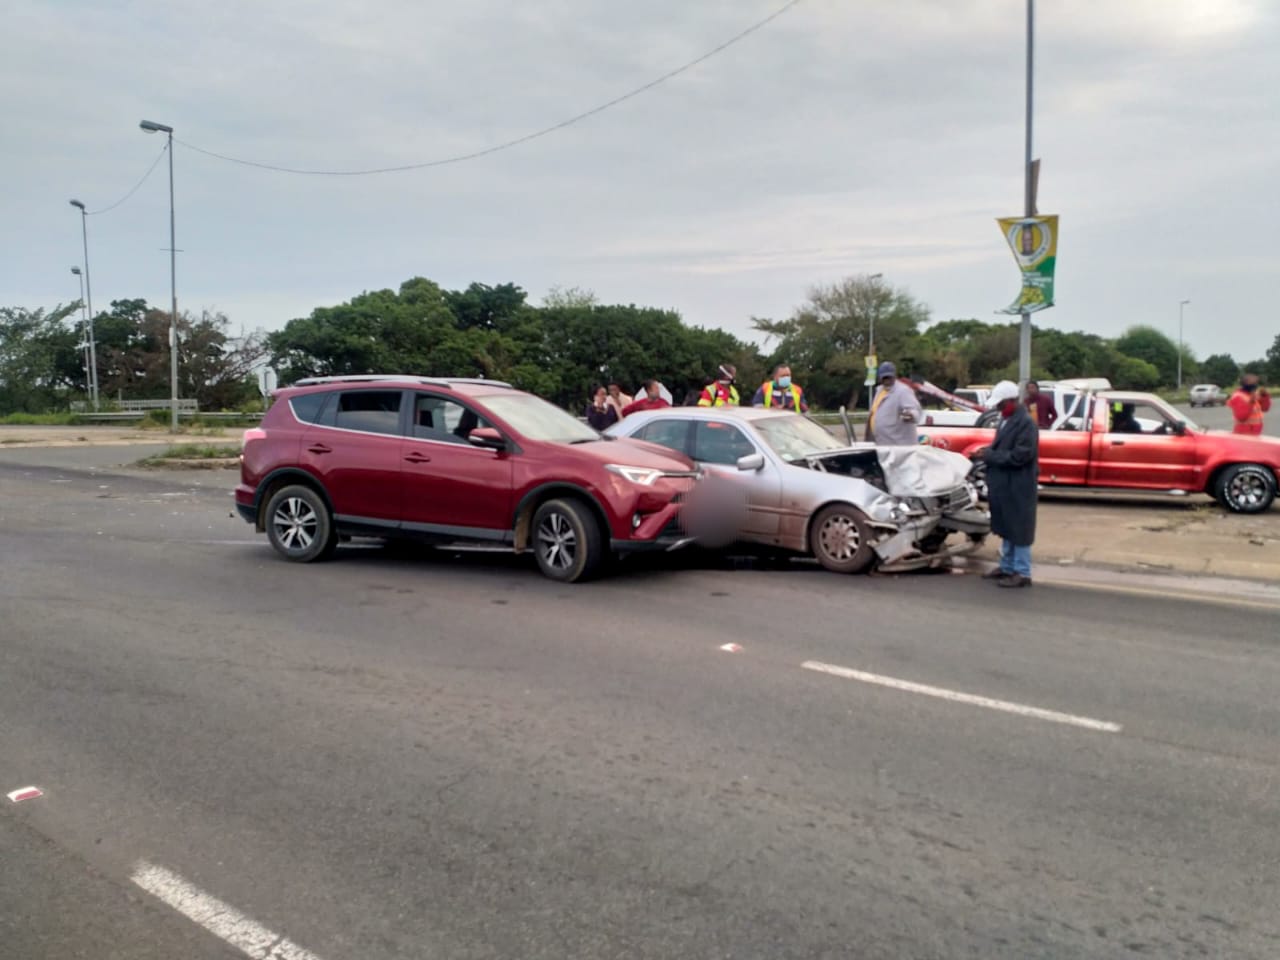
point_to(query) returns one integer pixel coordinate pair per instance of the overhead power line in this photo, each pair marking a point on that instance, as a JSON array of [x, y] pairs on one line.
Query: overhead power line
[[507, 145], [94, 213]]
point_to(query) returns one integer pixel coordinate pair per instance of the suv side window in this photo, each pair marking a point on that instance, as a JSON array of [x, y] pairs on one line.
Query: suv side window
[[439, 418], [307, 407], [672, 434], [715, 442], [371, 411]]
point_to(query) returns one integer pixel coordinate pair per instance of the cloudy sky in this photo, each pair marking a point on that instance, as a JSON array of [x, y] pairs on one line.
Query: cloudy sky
[[847, 136]]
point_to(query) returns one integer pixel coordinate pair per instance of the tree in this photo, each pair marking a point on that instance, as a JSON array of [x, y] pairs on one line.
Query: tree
[[1134, 374], [1149, 344], [828, 336], [558, 297], [41, 365], [1271, 370], [1220, 368]]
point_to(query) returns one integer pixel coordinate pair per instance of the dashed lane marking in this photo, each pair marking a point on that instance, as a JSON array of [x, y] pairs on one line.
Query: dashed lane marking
[[221, 919], [956, 696]]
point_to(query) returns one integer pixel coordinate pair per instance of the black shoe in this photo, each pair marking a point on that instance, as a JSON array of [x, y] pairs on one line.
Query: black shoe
[[1014, 580], [995, 573]]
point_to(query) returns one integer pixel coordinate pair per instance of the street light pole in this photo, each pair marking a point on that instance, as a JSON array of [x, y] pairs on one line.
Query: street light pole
[[871, 337], [1181, 304], [84, 330], [88, 289], [1029, 203], [151, 127]]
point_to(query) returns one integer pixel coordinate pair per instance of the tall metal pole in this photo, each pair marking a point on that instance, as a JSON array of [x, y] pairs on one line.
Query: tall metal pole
[[1181, 305], [84, 330], [88, 289], [1024, 339], [173, 290], [151, 127]]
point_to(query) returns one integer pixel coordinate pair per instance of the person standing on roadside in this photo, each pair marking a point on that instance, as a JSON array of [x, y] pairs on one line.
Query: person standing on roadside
[[895, 412], [721, 392], [652, 399], [616, 398], [1013, 476], [601, 414], [1041, 407], [1248, 404], [780, 393]]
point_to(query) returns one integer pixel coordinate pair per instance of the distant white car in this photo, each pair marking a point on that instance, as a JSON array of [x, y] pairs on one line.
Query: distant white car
[[1206, 395]]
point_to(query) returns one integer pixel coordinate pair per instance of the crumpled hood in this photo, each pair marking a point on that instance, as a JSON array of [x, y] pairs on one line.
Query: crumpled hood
[[922, 471]]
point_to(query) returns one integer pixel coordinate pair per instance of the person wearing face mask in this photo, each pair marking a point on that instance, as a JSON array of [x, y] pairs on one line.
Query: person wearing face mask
[[1013, 475], [721, 392], [652, 399], [780, 392], [1248, 404]]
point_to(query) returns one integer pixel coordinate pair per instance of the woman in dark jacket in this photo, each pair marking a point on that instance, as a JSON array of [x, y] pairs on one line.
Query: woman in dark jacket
[[600, 413], [1013, 476]]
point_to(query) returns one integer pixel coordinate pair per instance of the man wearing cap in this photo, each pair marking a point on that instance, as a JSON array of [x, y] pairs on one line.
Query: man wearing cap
[[895, 412], [1013, 472]]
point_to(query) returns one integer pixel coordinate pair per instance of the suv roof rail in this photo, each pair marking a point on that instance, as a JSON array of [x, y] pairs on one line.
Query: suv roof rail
[[384, 377]]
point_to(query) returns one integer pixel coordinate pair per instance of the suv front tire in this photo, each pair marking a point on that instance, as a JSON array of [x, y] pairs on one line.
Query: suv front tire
[[567, 541]]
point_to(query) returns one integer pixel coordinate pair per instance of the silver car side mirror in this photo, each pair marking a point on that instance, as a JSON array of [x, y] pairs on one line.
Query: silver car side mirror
[[752, 461]]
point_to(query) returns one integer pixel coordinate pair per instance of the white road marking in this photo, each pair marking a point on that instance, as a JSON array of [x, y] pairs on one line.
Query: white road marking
[[222, 920], [731, 648], [25, 793], [1023, 710]]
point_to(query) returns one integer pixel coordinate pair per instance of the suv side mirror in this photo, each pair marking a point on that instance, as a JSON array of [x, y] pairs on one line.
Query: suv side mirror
[[1180, 428], [751, 462], [486, 437]]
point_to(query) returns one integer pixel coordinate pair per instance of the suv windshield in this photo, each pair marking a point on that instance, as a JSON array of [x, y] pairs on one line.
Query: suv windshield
[[793, 437], [537, 419]]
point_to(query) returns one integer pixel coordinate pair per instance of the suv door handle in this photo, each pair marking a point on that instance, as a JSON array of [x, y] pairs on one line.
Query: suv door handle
[[319, 448], [1117, 443], [416, 457]]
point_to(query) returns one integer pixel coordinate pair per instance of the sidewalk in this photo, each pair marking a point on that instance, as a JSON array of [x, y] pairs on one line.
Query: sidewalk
[[1154, 536]]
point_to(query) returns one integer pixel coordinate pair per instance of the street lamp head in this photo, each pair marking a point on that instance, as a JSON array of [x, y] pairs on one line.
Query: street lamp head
[[150, 127], [1183, 303], [76, 271], [78, 205], [876, 276]]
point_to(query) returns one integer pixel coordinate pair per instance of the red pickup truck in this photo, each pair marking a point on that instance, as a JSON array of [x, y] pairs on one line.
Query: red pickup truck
[[1136, 441]]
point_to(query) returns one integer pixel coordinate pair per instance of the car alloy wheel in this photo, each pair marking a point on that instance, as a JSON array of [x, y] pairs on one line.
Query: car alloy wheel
[[299, 524], [841, 539], [1247, 488], [295, 524], [557, 542], [567, 540]]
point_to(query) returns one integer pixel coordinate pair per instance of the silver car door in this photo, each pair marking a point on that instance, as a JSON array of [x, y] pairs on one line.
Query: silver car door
[[718, 446]]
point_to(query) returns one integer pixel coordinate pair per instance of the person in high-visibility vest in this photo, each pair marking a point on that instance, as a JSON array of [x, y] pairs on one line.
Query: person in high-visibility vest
[[721, 392], [1248, 404], [780, 392]]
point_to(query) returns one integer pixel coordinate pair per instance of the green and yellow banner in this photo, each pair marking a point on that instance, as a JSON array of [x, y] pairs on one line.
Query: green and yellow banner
[[1034, 242]]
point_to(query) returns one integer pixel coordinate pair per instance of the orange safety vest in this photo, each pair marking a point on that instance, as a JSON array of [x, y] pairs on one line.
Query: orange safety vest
[[714, 394], [795, 395], [1252, 424]]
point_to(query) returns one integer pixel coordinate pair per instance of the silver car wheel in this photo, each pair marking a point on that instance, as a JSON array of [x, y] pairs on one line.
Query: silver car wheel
[[1247, 489], [557, 543], [840, 538], [295, 523]]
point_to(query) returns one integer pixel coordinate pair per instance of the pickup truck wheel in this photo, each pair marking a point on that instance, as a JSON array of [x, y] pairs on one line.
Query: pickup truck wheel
[[1246, 488], [567, 541], [841, 540], [300, 526]]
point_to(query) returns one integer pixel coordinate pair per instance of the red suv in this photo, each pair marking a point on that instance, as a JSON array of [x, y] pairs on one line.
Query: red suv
[[449, 461]]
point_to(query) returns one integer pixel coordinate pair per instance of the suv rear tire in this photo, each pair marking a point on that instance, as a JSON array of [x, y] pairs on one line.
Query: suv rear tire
[[1246, 488], [567, 541], [299, 525]]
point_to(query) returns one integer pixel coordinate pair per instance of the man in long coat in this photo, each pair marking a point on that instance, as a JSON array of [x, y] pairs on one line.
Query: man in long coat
[[1013, 472]]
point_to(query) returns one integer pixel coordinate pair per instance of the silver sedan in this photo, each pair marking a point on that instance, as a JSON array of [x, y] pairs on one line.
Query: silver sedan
[[788, 483]]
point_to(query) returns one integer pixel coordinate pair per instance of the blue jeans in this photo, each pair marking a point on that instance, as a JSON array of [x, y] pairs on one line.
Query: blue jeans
[[1015, 559]]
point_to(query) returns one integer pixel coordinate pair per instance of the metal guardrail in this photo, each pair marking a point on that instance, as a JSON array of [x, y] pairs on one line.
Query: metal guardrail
[[134, 406], [122, 416]]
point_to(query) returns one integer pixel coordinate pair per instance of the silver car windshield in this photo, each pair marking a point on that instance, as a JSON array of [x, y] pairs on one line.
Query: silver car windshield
[[793, 437], [539, 420]]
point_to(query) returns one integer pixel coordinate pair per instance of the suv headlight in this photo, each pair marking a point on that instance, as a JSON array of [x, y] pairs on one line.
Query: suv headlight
[[644, 476]]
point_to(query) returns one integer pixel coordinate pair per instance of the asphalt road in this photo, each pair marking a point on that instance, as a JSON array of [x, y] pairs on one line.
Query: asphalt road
[[447, 756]]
